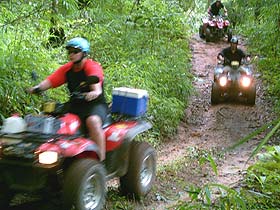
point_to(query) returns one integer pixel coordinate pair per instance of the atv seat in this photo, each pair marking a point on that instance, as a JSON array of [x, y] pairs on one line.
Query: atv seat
[[108, 121]]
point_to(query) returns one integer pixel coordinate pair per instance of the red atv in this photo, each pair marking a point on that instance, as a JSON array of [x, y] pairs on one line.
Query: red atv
[[50, 153], [217, 28]]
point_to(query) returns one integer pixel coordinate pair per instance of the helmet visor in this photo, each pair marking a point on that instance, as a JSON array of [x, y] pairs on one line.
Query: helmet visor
[[74, 50]]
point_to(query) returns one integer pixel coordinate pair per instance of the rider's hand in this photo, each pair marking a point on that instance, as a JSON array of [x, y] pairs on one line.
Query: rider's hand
[[220, 62], [221, 58], [248, 59], [34, 90]]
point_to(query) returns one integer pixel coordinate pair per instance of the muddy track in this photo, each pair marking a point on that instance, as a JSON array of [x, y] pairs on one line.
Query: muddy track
[[219, 126], [205, 127], [214, 128]]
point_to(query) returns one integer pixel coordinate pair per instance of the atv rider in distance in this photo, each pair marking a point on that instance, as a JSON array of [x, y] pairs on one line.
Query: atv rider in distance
[[213, 10], [232, 53]]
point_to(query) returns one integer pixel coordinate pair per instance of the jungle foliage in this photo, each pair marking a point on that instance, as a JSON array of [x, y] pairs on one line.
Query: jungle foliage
[[140, 44]]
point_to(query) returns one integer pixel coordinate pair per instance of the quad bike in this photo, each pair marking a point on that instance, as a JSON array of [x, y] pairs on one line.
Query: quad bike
[[236, 84], [50, 153], [217, 28]]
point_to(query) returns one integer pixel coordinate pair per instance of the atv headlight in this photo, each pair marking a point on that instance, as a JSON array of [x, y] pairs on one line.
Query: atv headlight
[[223, 81], [48, 157], [246, 81]]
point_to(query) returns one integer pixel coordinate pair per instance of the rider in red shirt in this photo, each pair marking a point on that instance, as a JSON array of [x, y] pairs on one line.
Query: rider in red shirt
[[93, 110]]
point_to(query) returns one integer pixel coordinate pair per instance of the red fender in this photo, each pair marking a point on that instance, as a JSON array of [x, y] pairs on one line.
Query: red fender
[[115, 133], [70, 124], [69, 148]]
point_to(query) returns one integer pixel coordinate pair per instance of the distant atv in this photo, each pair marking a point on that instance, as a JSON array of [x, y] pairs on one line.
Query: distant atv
[[236, 84], [217, 28]]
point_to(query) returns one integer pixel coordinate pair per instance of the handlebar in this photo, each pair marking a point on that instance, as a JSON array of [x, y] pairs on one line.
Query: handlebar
[[78, 96]]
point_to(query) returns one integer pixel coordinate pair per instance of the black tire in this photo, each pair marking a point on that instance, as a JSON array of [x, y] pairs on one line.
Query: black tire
[[141, 173], [208, 37], [251, 98], [215, 94], [84, 185], [201, 34], [5, 196]]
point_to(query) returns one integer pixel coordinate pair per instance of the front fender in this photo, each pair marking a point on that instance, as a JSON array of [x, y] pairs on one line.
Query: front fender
[[141, 127], [121, 152], [130, 135], [70, 148]]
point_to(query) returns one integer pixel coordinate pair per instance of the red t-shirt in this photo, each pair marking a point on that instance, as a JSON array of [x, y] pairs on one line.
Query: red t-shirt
[[91, 68]]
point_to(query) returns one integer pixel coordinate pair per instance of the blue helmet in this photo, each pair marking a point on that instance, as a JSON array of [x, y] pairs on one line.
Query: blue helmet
[[234, 40], [79, 43]]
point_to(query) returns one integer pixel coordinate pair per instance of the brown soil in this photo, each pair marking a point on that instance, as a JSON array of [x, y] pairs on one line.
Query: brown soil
[[205, 128]]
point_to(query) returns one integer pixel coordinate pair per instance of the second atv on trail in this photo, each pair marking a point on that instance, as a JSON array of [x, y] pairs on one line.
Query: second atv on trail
[[218, 27]]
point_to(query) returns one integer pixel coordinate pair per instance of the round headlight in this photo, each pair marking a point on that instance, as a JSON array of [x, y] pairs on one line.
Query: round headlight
[[223, 81], [48, 157], [245, 81]]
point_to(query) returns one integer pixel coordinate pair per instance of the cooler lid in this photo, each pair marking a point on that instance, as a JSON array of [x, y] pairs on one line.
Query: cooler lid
[[130, 92]]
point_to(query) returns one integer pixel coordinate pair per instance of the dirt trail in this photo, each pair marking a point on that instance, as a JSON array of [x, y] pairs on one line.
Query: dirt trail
[[216, 127]]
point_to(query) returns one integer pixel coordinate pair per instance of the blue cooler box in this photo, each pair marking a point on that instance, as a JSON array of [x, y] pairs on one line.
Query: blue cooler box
[[129, 101]]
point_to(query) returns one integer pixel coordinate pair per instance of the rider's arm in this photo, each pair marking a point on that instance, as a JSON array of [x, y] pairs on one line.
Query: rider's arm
[[94, 69], [96, 90], [56, 79], [209, 11], [42, 86], [246, 59], [242, 55], [220, 56]]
